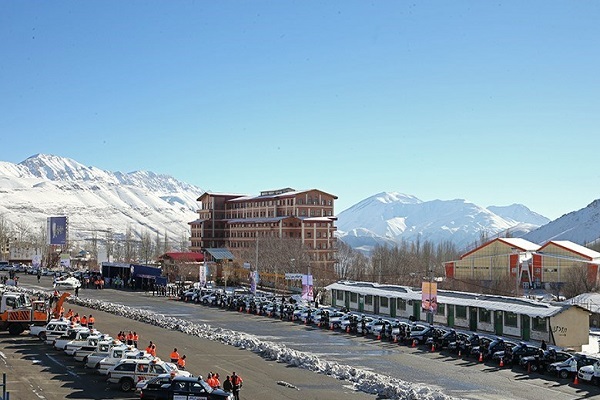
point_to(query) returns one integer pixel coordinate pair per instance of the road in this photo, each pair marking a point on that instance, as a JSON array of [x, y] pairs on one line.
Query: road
[[457, 377]]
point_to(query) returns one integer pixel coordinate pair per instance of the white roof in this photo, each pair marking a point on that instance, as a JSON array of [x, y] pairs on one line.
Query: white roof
[[589, 301], [577, 248], [521, 243], [516, 305]]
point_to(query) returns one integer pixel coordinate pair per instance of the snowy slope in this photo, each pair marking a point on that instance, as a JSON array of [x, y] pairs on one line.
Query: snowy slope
[[582, 227], [94, 199], [393, 217]]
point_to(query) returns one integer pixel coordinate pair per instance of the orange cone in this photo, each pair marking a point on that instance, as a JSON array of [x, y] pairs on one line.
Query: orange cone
[[501, 362], [395, 339], [432, 347], [576, 380], [528, 367], [480, 357], [459, 353], [330, 327], [347, 329], [414, 343]]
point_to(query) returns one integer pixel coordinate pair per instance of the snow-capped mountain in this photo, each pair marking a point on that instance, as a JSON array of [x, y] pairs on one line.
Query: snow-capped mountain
[[391, 217], [582, 227], [95, 200]]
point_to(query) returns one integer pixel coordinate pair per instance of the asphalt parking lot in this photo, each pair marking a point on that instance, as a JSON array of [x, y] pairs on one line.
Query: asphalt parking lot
[[36, 371]]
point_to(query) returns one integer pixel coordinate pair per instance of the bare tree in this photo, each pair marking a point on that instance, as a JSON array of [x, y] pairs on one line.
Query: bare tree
[[578, 281]]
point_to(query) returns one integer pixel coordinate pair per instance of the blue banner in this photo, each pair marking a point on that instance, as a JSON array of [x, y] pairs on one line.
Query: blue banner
[[57, 231]]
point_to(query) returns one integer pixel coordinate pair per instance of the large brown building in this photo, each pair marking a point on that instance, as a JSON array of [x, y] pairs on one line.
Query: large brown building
[[236, 222]]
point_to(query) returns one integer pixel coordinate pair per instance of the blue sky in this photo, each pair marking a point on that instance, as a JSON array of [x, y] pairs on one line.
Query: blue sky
[[494, 102]]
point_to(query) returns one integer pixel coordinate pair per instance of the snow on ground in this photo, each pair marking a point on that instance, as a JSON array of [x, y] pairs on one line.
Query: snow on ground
[[362, 380]]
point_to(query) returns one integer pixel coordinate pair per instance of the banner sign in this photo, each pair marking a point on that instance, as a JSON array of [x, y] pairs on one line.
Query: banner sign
[[57, 231], [294, 277], [202, 274], [429, 297], [253, 280], [65, 260], [307, 287]]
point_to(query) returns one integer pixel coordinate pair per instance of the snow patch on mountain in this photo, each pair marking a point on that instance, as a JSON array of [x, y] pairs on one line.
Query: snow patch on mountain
[[96, 200], [392, 217], [581, 227]]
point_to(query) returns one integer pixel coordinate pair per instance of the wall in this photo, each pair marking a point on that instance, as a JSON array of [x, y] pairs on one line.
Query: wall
[[568, 330]]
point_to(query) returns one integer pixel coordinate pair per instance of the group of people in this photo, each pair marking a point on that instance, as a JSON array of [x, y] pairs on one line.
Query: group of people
[[76, 319], [177, 359], [231, 384], [131, 338]]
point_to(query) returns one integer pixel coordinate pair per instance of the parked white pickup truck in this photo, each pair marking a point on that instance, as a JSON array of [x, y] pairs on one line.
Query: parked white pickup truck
[[91, 341], [116, 355], [79, 333], [127, 372], [82, 353], [52, 330]]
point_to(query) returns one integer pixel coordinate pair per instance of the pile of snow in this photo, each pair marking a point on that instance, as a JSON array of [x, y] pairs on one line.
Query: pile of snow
[[365, 381]]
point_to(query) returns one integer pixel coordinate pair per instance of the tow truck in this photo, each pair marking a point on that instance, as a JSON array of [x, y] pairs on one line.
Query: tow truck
[[18, 313]]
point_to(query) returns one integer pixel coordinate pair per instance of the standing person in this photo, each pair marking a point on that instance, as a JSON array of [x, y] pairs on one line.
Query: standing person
[[149, 348], [136, 339], [39, 275], [227, 385], [83, 321], [181, 363], [544, 346], [236, 381], [91, 321], [174, 355], [129, 338], [76, 291]]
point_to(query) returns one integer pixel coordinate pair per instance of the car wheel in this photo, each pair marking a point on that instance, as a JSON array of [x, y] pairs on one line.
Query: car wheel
[[126, 385], [534, 367], [563, 374], [42, 336], [15, 329]]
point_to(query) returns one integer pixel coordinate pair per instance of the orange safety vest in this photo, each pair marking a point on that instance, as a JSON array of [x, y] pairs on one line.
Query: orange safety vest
[[91, 321], [181, 363], [69, 314], [136, 338], [83, 321], [174, 355], [149, 349], [76, 319], [130, 337]]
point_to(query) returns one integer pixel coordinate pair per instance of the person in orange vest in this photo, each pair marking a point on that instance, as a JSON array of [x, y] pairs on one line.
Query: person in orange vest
[[130, 338], [69, 314], [174, 355], [136, 339], [149, 348], [216, 382], [210, 379], [76, 318], [181, 363], [83, 321], [153, 350], [236, 381], [91, 321]]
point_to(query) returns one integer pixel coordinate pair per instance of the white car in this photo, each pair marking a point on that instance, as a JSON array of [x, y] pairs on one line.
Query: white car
[[127, 372], [590, 373], [118, 354], [79, 333], [67, 283]]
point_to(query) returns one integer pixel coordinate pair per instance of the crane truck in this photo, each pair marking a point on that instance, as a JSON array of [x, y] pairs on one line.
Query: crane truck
[[18, 313]]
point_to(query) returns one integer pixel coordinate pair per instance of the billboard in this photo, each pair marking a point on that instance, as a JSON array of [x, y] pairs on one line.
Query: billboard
[[202, 274], [57, 231], [429, 297], [307, 287]]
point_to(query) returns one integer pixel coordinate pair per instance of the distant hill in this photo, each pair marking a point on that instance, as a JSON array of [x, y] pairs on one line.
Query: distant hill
[[582, 227], [390, 217], [95, 200]]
